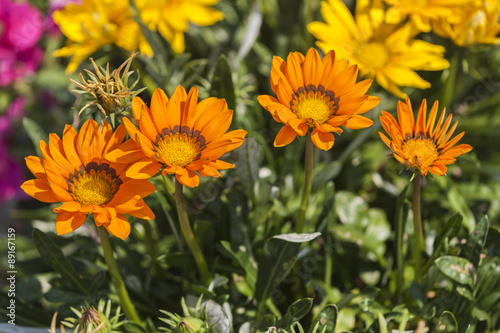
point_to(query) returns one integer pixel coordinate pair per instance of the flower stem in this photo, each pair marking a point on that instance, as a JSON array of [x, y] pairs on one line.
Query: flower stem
[[417, 227], [307, 184], [126, 303], [187, 232]]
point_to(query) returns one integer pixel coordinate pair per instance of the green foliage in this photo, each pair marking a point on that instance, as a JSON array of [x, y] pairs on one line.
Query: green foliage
[[352, 270]]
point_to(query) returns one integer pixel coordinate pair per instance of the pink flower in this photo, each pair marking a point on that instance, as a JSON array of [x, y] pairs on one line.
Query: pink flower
[[21, 27], [11, 175], [15, 112]]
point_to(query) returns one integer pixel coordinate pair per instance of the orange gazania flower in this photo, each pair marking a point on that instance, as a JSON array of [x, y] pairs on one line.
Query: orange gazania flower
[[424, 145], [317, 94], [180, 135], [74, 171]]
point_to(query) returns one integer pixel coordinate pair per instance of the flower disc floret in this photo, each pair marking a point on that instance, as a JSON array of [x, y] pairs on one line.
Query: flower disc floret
[[180, 136], [179, 149], [317, 94], [74, 171], [422, 145]]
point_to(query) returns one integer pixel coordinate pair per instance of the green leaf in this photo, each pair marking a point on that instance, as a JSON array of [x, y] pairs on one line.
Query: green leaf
[[56, 259], [249, 158], [487, 289], [449, 230], [295, 312], [279, 256], [36, 133], [458, 203], [241, 256], [326, 320], [447, 323], [455, 268], [222, 82], [55, 295], [475, 243]]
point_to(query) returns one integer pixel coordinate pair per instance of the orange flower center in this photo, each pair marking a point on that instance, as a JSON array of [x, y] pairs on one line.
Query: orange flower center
[[314, 103], [178, 149], [94, 184], [419, 152]]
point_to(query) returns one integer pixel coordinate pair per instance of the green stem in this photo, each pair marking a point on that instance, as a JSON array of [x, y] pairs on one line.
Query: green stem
[[417, 227], [400, 223], [307, 183], [126, 303], [187, 232]]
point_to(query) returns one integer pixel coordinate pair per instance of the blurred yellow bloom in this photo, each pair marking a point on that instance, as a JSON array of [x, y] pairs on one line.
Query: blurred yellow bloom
[[422, 12], [385, 52], [95, 23], [171, 17], [478, 24]]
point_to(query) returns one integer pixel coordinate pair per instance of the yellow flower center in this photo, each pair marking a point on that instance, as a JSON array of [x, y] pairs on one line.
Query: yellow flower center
[[93, 185], [372, 56], [314, 103], [420, 152], [178, 149]]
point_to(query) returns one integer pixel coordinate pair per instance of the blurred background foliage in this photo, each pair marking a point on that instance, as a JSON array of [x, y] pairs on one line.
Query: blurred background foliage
[[359, 203]]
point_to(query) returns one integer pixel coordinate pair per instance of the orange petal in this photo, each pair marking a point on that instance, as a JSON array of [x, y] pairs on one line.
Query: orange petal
[[68, 206], [106, 215], [159, 109], [127, 152], [143, 169], [119, 227], [322, 140], [69, 138], [67, 222], [357, 122], [40, 190], [438, 169], [285, 136], [312, 68], [132, 187], [187, 177], [144, 213], [137, 105], [115, 139], [34, 164]]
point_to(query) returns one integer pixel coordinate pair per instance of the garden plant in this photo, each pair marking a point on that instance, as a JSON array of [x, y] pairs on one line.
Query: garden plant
[[247, 166]]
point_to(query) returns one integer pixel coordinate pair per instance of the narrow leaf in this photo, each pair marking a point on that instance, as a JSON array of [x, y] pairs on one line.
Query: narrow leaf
[[56, 259], [475, 243], [279, 255], [243, 259], [447, 323], [295, 312], [222, 82], [326, 319]]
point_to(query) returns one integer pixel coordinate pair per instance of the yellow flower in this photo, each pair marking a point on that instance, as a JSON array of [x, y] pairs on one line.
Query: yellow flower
[[317, 94], [422, 12], [478, 24], [179, 135], [172, 17], [74, 171], [385, 52], [95, 23], [422, 145]]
